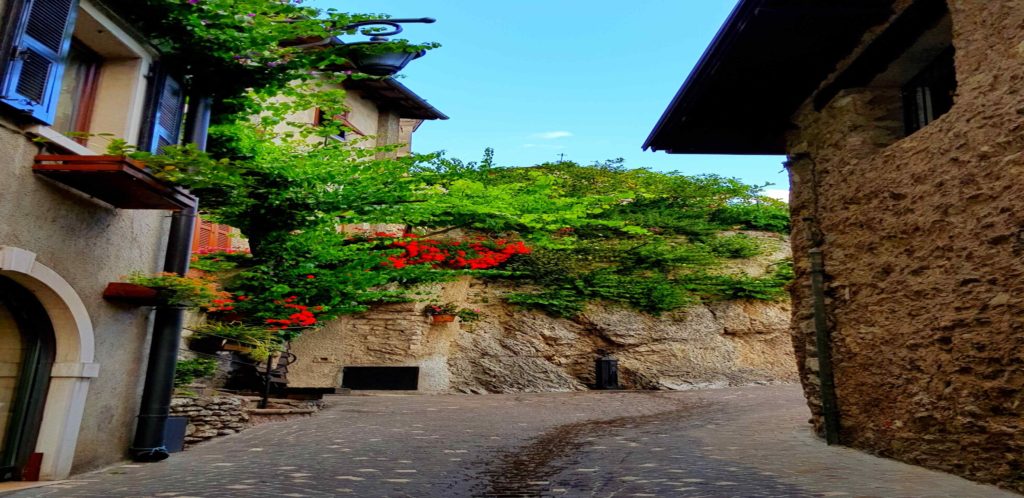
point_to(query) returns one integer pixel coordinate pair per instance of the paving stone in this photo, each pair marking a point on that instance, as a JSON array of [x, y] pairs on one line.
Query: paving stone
[[741, 442]]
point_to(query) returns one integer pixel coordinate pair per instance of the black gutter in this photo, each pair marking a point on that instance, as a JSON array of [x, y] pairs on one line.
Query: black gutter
[[149, 444]]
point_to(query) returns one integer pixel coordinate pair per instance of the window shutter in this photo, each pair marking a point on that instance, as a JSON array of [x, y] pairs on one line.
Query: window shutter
[[167, 114], [42, 38]]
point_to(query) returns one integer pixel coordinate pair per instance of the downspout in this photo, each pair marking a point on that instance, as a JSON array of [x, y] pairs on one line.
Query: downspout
[[149, 444], [822, 334], [823, 344]]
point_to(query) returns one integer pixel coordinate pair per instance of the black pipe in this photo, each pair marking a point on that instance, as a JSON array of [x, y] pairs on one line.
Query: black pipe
[[155, 407], [149, 445], [823, 343]]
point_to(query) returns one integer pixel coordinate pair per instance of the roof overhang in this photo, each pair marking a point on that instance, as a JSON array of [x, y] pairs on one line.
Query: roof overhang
[[389, 94], [767, 59]]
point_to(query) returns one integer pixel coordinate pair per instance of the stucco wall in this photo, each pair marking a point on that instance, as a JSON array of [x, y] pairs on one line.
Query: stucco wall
[[923, 238], [88, 244]]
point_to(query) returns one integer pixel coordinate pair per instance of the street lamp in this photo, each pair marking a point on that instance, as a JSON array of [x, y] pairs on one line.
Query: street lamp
[[374, 57], [371, 57]]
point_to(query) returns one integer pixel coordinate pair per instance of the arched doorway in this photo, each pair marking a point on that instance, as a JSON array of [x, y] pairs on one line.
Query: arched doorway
[[27, 348]]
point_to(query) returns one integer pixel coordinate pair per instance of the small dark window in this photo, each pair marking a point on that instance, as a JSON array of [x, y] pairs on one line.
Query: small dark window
[[929, 94]]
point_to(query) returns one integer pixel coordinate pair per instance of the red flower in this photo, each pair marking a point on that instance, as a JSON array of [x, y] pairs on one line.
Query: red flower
[[310, 277]]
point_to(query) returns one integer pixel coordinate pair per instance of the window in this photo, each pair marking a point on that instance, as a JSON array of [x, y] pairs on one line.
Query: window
[[929, 94], [79, 69], [338, 120], [77, 93], [40, 40]]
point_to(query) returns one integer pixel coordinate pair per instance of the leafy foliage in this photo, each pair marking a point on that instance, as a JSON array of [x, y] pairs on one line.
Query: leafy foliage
[[737, 246], [653, 245], [188, 371], [196, 293]]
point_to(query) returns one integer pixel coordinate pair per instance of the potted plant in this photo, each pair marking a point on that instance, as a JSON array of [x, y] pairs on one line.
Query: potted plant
[[167, 289], [258, 342], [441, 313], [469, 315]]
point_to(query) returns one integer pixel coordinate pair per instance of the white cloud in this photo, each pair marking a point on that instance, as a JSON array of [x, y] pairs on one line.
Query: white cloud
[[775, 193], [552, 135], [543, 146]]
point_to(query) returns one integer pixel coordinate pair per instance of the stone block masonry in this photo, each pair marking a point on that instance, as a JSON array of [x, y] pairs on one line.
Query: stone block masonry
[[223, 415], [922, 238]]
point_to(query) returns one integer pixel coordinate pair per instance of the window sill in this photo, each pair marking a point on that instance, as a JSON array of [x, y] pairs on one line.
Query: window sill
[[55, 138]]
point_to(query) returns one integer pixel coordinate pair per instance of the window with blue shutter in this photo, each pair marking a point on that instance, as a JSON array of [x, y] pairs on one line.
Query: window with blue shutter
[[41, 40], [167, 110]]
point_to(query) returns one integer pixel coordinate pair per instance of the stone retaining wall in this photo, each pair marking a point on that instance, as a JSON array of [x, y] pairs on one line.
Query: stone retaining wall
[[209, 417], [223, 415]]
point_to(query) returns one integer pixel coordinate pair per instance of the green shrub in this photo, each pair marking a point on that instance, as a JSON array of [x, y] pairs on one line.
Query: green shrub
[[766, 214], [562, 303], [190, 370], [738, 246]]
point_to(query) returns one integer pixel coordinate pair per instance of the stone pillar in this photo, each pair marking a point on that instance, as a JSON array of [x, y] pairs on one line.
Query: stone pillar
[[389, 132]]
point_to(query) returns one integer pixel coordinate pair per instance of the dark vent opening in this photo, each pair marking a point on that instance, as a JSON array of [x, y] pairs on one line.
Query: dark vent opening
[[381, 378]]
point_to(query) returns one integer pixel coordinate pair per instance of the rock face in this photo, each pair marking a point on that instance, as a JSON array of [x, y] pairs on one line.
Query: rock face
[[722, 344], [516, 350]]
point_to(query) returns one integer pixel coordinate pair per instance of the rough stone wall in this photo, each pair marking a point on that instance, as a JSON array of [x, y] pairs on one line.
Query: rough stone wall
[[88, 244], [209, 417], [923, 238], [224, 415], [515, 350], [716, 345], [390, 335]]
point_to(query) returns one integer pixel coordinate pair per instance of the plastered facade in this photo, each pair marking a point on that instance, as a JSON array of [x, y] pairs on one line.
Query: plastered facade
[[88, 244], [923, 240]]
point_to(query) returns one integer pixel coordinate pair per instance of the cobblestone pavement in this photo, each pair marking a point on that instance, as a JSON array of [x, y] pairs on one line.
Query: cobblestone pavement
[[741, 442]]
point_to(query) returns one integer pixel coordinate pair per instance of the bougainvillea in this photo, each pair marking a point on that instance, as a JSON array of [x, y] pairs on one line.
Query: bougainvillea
[[476, 254]]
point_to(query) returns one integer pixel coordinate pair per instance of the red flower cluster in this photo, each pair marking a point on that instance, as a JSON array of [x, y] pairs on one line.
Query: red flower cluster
[[476, 255], [302, 317], [225, 304]]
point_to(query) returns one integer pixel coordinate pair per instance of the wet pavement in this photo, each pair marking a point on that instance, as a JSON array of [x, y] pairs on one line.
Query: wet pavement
[[741, 442]]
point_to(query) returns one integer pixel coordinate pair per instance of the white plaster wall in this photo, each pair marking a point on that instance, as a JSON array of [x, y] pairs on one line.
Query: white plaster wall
[[88, 244]]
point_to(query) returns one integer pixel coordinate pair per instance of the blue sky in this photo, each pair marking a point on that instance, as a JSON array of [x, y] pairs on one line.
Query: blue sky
[[537, 78]]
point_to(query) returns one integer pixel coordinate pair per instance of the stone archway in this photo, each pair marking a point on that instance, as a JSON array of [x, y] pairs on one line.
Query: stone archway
[[73, 366]]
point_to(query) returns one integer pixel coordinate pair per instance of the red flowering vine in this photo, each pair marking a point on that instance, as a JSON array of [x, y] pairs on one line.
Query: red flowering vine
[[478, 254]]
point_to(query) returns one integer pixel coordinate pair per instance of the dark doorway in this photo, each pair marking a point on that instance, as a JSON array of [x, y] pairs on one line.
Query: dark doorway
[[381, 378], [27, 348]]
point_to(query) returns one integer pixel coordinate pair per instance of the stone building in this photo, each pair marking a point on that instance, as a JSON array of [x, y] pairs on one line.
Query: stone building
[[381, 112], [902, 123]]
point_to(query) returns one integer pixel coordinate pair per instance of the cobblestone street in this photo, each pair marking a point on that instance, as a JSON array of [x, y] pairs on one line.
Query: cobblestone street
[[742, 442]]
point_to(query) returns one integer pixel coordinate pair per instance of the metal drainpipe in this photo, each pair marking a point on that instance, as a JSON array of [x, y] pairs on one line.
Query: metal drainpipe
[[823, 343], [822, 334], [149, 444]]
